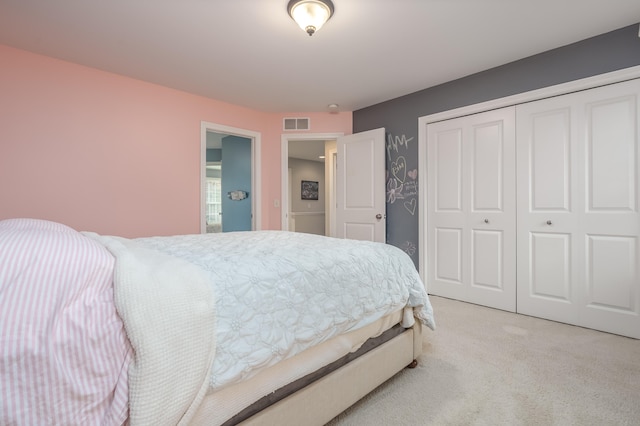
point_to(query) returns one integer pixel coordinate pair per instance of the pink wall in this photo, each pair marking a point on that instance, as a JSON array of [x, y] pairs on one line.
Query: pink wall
[[102, 152]]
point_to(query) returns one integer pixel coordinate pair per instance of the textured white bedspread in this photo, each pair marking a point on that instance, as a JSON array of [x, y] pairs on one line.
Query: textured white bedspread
[[279, 293]]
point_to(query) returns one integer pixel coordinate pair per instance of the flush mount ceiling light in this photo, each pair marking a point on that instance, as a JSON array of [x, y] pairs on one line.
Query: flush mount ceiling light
[[310, 15]]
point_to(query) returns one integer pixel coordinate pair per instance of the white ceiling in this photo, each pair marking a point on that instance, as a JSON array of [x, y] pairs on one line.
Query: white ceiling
[[250, 52], [306, 150]]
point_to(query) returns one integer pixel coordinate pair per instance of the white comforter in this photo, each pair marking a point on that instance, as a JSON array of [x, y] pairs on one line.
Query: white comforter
[[278, 293]]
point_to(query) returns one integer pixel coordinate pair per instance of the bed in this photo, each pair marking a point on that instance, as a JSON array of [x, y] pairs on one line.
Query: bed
[[263, 327]]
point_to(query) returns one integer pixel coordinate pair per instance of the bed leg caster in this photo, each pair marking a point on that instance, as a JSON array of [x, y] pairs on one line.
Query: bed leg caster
[[413, 364]]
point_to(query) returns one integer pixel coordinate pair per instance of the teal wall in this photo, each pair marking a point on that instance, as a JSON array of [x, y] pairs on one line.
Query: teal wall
[[236, 175], [214, 155]]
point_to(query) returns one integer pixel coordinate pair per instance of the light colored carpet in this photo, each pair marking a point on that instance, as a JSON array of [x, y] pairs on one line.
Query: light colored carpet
[[488, 367]]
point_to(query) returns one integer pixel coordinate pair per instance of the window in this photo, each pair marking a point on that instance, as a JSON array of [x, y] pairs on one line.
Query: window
[[213, 198]]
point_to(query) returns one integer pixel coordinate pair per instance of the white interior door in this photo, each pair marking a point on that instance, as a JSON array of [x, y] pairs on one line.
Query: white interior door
[[578, 219], [360, 186], [471, 227]]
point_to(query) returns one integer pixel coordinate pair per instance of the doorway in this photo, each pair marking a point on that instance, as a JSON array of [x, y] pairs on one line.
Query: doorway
[[302, 169], [234, 190]]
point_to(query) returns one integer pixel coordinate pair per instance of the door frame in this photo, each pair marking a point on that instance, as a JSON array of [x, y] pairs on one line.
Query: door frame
[[331, 170], [533, 95], [256, 172], [284, 169]]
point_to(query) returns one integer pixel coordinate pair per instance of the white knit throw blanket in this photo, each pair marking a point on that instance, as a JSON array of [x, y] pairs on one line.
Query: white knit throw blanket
[[168, 309]]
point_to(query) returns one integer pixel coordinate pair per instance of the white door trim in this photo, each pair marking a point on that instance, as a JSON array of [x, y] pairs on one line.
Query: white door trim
[[533, 95], [256, 172], [330, 209], [284, 168]]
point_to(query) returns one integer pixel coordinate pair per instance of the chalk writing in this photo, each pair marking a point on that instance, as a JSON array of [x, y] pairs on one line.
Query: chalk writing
[[411, 185], [393, 143], [402, 189], [399, 169], [410, 189], [398, 186]]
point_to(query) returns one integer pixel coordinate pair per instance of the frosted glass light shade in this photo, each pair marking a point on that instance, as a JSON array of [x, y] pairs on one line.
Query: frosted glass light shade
[[310, 15]]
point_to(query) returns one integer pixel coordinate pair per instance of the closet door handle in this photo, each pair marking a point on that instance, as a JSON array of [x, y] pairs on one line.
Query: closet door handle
[[549, 222], [486, 221]]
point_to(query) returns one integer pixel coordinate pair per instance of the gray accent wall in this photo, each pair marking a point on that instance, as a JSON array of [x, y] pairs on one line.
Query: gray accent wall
[[608, 52]]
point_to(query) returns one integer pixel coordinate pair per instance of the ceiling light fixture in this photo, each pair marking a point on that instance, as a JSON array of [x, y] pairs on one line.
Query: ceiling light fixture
[[310, 15]]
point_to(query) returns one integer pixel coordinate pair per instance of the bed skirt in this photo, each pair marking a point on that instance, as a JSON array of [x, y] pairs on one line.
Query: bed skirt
[[318, 402]]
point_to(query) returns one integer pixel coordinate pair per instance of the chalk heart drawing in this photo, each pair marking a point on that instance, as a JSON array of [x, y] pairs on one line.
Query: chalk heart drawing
[[411, 206], [413, 174], [399, 169]]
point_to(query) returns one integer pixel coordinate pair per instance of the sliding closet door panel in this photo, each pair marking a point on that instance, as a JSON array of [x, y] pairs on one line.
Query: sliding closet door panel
[[548, 239], [448, 203], [611, 218], [492, 226], [578, 219], [471, 209], [547, 153], [446, 237]]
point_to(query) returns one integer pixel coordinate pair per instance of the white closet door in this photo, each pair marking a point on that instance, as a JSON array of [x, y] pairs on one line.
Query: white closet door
[[471, 209], [578, 219], [548, 233]]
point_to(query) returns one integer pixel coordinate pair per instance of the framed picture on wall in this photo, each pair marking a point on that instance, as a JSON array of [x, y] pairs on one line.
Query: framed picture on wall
[[309, 190]]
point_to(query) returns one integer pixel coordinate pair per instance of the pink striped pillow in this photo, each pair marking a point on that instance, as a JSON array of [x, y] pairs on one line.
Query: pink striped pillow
[[34, 225], [64, 353]]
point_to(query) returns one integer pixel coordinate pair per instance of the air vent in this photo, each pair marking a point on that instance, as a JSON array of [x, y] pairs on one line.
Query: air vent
[[296, 124]]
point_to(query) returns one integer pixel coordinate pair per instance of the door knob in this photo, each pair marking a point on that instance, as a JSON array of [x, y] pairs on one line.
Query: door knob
[[378, 216], [548, 222], [486, 221]]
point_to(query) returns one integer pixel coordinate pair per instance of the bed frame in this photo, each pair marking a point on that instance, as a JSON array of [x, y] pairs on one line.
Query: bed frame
[[322, 400]]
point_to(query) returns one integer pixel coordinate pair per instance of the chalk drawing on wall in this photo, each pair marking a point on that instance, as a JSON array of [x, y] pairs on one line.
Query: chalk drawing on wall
[[394, 190], [399, 169], [395, 143], [411, 206], [402, 184], [411, 191], [402, 192], [408, 247]]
